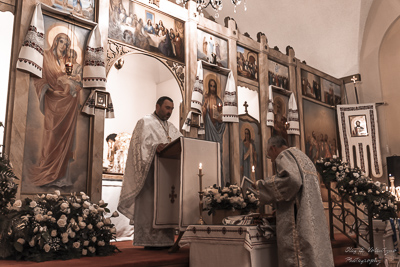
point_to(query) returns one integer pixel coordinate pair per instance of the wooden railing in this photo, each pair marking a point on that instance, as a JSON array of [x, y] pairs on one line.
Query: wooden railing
[[352, 221]]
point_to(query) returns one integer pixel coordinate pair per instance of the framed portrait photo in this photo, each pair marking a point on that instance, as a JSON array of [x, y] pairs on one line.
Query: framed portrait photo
[[101, 100]]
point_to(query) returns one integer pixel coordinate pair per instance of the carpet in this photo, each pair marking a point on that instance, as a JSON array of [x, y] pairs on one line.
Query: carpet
[[129, 256]]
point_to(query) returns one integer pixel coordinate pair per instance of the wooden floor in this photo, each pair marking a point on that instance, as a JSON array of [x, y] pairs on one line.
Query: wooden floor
[[129, 256]]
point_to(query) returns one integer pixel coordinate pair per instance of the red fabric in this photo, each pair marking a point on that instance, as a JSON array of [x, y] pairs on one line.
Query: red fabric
[[129, 256]]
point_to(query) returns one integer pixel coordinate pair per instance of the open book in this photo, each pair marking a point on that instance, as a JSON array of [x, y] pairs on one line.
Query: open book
[[246, 185]]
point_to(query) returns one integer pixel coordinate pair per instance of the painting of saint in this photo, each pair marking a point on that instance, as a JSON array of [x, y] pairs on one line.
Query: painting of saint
[[280, 116], [311, 85], [358, 126], [139, 25], [332, 95], [215, 128], [212, 49], [81, 8], [54, 124], [320, 128], [247, 63], [278, 75], [248, 157]]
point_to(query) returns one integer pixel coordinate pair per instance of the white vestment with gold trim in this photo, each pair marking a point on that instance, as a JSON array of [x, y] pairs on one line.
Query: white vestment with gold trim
[[302, 231], [137, 194]]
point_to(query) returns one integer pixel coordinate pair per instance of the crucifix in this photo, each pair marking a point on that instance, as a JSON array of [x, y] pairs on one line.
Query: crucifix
[[172, 196], [245, 106], [354, 79]]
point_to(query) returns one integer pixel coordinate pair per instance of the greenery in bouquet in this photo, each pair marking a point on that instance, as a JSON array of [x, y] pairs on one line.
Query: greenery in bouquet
[[8, 187], [58, 227], [229, 197], [352, 182]]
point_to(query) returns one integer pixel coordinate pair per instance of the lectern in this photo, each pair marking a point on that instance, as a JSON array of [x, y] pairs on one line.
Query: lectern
[[176, 181]]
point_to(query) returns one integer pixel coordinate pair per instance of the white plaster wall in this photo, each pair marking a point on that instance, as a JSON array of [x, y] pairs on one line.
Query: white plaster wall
[[135, 89], [245, 94], [168, 88], [379, 68], [7, 20], [133, 92], [325, 33]]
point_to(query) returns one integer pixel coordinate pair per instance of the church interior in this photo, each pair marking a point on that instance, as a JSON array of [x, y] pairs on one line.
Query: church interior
[[320, 74]]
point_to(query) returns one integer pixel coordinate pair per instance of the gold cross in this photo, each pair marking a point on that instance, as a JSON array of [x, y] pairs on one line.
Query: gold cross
[[354, 79]]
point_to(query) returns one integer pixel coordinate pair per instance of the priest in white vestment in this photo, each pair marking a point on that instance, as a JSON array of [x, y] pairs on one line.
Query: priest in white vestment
[[151, 134], [302, 231]]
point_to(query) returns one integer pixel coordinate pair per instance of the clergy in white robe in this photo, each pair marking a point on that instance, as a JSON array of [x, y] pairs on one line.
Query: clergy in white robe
[[302, 231], [136, 201]]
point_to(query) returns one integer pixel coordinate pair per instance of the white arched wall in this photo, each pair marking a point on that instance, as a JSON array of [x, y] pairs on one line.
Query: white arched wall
[[135, 89], [379, 69], [389, 65]]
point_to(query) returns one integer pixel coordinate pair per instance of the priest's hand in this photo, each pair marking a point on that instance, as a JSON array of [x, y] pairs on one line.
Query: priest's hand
[[160, 147]]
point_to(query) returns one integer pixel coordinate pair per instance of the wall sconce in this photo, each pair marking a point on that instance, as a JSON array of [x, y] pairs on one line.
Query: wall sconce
[[120, 62]]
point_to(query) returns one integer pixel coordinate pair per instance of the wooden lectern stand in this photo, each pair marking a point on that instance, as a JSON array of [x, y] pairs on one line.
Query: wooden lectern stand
[[176, 181]]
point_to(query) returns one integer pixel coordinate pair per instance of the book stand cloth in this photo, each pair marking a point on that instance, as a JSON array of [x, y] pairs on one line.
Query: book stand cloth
[[176, 181]]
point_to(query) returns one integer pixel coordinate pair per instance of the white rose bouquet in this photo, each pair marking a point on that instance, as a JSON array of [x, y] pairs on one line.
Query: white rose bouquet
[[352, 183], [228, 198], [54, 226]]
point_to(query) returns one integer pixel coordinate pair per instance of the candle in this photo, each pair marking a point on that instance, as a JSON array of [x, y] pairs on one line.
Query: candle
[[200, 175], [253, 169], [219, 108]]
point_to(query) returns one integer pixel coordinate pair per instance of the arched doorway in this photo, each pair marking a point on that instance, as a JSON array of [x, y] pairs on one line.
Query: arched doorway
[[134, 89]]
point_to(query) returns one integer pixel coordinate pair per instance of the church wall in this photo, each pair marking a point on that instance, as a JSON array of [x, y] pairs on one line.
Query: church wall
[[6, 18], [379, 72]]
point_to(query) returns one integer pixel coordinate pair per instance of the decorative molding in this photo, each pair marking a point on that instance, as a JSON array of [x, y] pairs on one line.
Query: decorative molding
[[117, 49]]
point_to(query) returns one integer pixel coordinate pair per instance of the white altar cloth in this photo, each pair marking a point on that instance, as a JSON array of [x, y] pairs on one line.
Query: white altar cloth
[[223, 245]]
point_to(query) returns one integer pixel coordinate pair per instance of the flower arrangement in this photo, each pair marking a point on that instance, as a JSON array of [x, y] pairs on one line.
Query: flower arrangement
[[8, 187], [362, 190], [52, 226], [229, 198]]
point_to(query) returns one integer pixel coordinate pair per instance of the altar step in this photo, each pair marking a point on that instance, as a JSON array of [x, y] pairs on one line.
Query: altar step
[[129, 256], [345, 253]]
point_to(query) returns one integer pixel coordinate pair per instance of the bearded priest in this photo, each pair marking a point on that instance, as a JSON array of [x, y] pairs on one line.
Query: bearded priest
[[151, 134]]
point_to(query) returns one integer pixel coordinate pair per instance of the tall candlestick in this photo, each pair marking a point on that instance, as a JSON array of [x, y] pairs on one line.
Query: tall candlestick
[[201, 221], [200, 175]]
